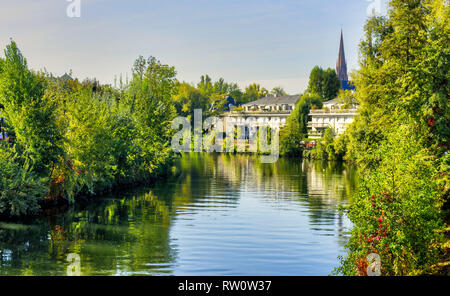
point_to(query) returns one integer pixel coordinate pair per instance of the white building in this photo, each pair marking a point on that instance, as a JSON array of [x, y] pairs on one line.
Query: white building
[[273, 104], [268, 111], [333, 116]]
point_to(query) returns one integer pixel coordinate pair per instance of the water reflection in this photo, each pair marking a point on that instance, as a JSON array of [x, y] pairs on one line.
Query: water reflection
[[220, 215]]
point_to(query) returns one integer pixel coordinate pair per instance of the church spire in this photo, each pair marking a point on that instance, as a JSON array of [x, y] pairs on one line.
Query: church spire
[[341, 66]]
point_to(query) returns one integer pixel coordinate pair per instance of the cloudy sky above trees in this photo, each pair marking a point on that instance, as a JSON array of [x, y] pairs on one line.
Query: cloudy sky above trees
[[266, 41]]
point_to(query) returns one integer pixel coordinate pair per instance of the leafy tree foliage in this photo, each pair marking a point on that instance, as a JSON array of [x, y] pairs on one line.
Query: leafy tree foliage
[[209, 96], [71, 138], [278, 92], [296, 128], [29, 112], [325, 149], [188, 98], [254, 92], [324, 83], [20, 189], [401, 139]]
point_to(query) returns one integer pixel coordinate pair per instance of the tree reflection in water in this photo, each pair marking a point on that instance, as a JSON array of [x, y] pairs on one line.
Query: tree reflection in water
[[127, 234]]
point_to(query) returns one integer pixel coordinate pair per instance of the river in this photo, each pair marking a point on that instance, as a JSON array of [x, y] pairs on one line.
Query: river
[[218, 215]]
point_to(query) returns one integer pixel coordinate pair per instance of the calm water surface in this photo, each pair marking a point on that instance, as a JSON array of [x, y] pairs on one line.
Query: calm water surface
[[221, 215]]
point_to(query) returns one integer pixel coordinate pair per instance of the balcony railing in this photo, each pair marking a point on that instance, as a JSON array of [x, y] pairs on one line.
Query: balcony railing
[[334, 111], [315, 135], [264, 113], [318, 124]]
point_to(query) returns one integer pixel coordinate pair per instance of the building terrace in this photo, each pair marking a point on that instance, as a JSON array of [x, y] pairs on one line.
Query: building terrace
[[331, 117]]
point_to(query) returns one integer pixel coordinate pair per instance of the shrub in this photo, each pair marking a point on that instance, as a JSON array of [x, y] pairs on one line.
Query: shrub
[[296, 128], [20, 189], [397, 210]]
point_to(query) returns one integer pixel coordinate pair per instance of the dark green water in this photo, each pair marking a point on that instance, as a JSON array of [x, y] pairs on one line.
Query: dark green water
[[223, 215]]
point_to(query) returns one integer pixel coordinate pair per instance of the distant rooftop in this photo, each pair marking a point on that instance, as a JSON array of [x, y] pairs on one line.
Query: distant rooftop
[[338, 102], [289, 100], [333, 101], [66, 77]]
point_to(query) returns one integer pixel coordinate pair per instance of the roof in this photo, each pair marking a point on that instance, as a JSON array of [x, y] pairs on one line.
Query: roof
[[290, 100], [333, 101], [66, 77], [341, 66], [347, 85]]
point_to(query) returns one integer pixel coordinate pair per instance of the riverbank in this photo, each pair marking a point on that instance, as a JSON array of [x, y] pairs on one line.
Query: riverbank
[[51, 207]]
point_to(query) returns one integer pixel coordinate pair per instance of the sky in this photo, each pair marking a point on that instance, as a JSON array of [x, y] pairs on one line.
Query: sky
[[274, 43]]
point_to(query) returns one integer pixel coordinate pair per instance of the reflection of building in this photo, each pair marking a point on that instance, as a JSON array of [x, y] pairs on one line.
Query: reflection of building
[[328, 181]]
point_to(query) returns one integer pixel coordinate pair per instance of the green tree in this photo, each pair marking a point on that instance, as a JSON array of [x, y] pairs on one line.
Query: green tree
[[348, 99], [296, 128], [220, 87], [20, 189], [69, 138], [254, 92], [161, 79], [149, 101], [188, 98], [330, 84], [205, 86], [325, 148], [315, 85], [29, 112], [278, 92], [401, 139], [235, 92], [325, 83]]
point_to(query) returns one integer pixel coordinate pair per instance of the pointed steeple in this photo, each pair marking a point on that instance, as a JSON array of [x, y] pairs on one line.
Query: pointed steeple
[[341, 66]]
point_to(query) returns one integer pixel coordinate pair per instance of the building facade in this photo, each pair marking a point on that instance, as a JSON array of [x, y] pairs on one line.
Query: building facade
[[268, 111], [273, 104], [331, 116]]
